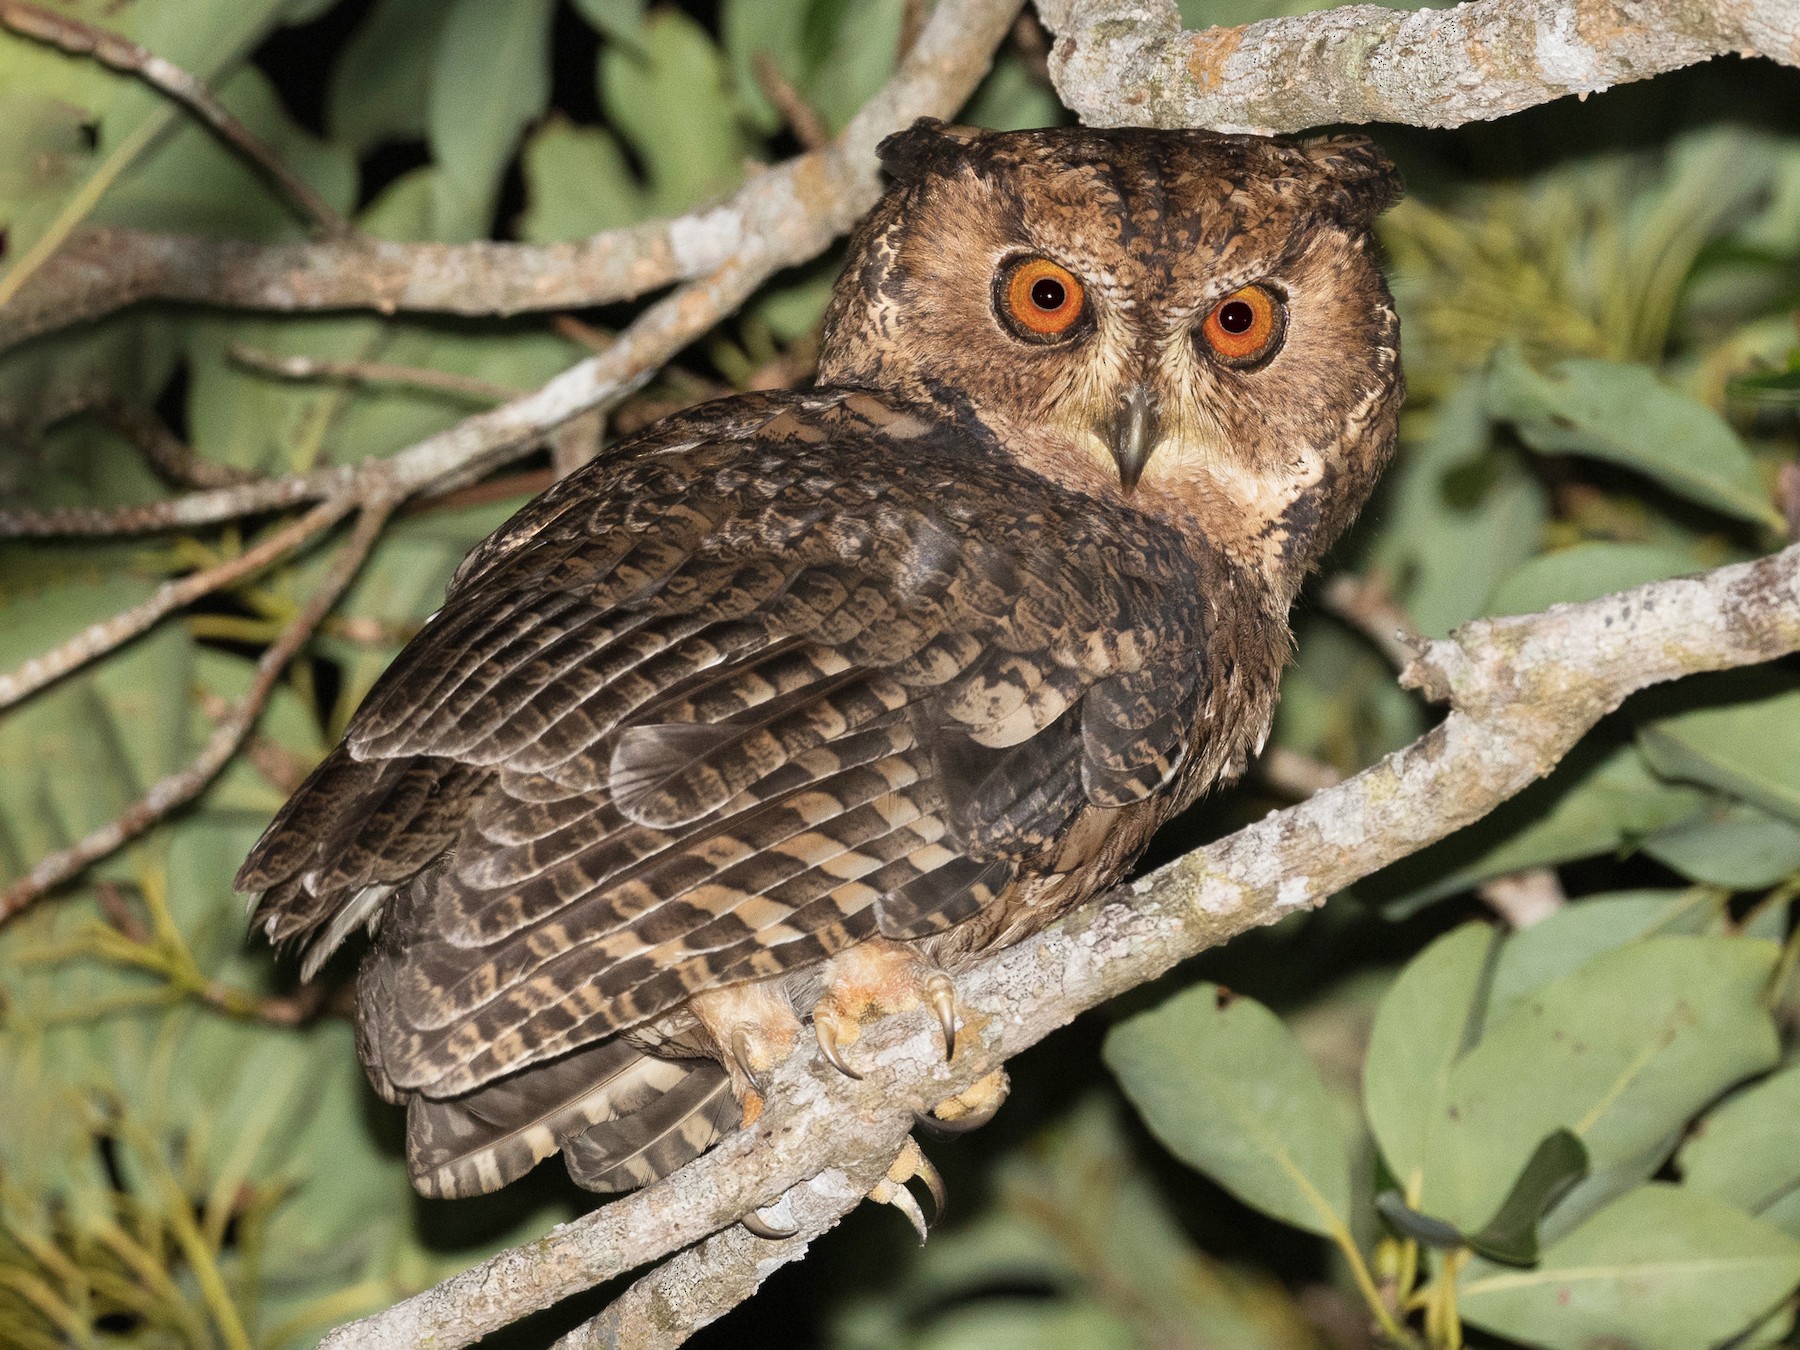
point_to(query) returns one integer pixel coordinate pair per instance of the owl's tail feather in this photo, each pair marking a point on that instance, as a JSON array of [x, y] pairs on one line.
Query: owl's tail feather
[[622, 1117]]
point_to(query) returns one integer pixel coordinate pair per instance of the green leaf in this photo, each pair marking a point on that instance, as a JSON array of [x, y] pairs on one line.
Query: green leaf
[[1426, 1020], [1511, 1236], [577, 183], [1748, 748], [1660, 1269], [490, 78], [1623, 414], [1567, 940], [1747, 1151], [1734, 844], [1585, 572], [1463, 513], [1226, 1087], [669, 100], [1601, 799], [1621, 1052], [622, 20], [381, 86]]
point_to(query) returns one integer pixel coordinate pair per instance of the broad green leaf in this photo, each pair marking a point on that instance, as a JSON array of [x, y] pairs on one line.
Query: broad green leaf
[[1623, 414], [1031, 1324], [1747, 1151], [620, 19], [1559, 1162], [1462, 513], [45, 197], [669, 100], [577, 183], [1429, 1017], [381, 86], [1621, 1052], [1568, 939], [1585, 572], [490, 78], [1226, 1087], [1662, 1268], [1601, 799], [1734, 844], [1748, 748]]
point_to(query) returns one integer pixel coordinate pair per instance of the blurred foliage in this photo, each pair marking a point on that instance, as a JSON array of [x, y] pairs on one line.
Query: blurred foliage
[[1579, 1134]]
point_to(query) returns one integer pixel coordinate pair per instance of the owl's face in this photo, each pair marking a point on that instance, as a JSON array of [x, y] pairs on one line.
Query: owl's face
[[1194, 321]]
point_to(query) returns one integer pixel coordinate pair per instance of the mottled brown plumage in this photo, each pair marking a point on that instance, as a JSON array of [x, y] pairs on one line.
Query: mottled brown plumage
[[794, 696]]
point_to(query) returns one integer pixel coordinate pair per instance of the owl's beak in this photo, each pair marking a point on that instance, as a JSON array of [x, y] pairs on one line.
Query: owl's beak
[[1133, 435]]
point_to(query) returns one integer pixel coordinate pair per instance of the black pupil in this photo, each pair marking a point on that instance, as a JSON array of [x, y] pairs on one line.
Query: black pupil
[[1048, 294], [1236, 317]]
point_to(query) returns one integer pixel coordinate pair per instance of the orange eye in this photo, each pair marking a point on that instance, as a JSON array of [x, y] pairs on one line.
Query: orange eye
[[1041, 299], [1244, 327]]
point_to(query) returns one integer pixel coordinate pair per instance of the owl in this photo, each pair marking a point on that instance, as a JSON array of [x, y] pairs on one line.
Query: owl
[[788, 707]]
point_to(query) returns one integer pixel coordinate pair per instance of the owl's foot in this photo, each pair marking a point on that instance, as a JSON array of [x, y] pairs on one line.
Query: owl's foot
[[876, 979], [971, 1108], [754, 1029], [911, 1162]]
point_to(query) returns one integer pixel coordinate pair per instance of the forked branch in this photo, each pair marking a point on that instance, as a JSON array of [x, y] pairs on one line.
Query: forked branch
[[1522, 691]]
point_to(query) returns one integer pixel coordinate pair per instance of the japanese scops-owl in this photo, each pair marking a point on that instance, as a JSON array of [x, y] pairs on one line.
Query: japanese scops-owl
[[783, 709]]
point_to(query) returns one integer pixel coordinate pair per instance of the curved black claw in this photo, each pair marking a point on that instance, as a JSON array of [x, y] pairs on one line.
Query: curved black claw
[[961, 1125], [762, 1228]]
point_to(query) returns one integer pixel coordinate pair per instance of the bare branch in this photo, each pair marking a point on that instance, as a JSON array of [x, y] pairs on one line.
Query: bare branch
[[1128, 62], [696, 1287], [109, 634], [182, 786], [372, 372], [1367, 605], [164, 451], [1523, 690], [784, 215], [110, 49]]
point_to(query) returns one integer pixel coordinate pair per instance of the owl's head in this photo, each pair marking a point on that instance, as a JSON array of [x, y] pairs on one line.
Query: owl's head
[[1193, 321]]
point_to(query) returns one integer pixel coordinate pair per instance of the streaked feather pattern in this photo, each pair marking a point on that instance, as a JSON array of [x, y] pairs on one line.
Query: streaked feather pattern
[[712, 709]]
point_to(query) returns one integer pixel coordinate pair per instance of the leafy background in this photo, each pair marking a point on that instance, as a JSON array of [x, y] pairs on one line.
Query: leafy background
[[1584, 1133]]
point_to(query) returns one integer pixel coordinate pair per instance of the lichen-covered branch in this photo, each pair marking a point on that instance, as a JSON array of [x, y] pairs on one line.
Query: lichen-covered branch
[[1129, 63], [1522, 692]]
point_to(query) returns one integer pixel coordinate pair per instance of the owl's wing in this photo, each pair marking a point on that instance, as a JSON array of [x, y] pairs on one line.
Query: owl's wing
[[784, 677]]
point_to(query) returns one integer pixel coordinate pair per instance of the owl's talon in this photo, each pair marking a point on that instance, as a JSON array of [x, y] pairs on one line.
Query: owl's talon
[[940, 993], [927, 1172], [908, 1163], [741, 1052], [971, 1108], [762, 1228], [827, 1035]]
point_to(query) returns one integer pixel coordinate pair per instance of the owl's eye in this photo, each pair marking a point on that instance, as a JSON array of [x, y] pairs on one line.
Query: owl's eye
[[1245, 327], [1041, 301]]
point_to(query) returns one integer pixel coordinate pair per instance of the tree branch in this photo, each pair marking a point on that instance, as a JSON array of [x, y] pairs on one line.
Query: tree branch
[[1523, 690], [121, 54], [787, 214], [1128, 62], [182, 786]]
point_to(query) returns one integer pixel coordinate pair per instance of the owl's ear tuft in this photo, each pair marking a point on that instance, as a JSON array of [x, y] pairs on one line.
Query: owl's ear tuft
[[1357, 178], [928, 145]]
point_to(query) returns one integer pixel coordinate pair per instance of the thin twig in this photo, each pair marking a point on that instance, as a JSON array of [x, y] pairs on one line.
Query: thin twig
[[1524, 898], [806, 124], [166, 453], [1367, 605], [109, 634], [120, 53], [372, 372], [1523, 691], [185, 784]]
